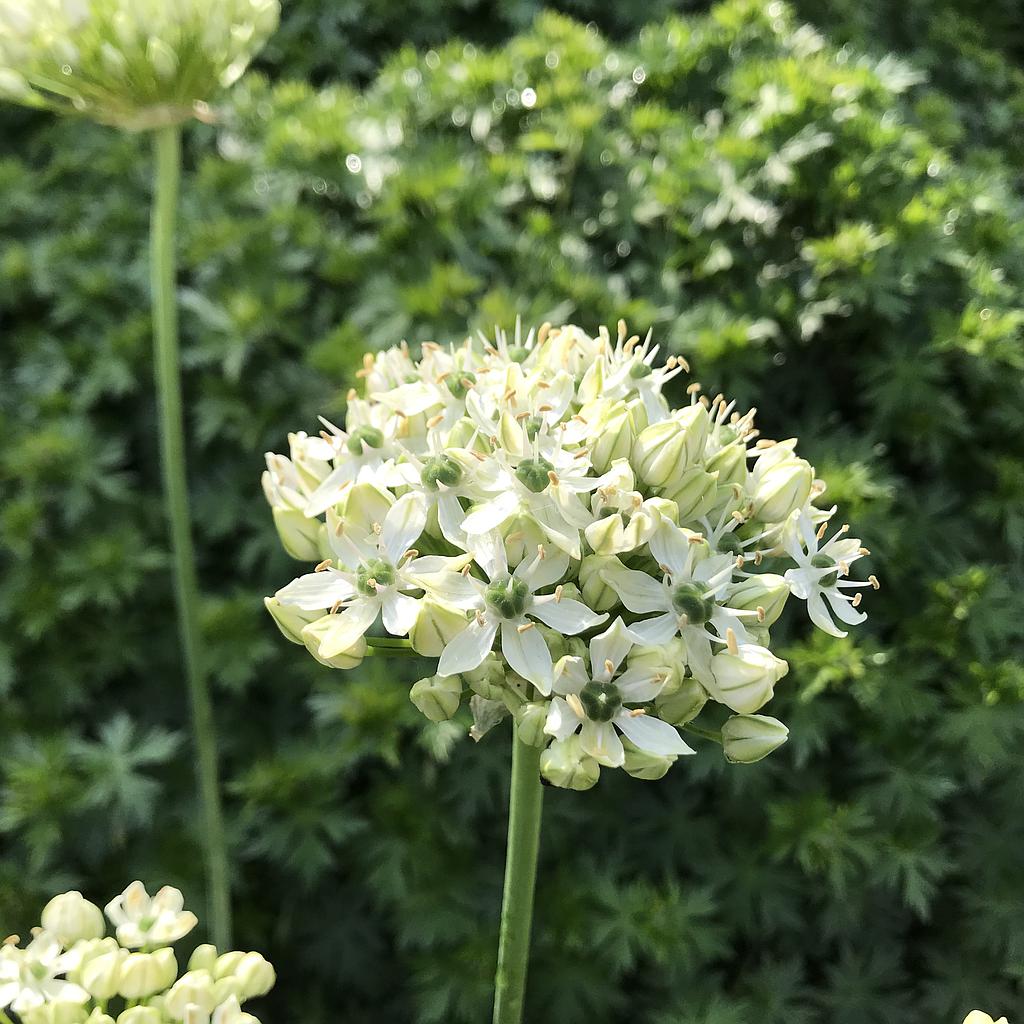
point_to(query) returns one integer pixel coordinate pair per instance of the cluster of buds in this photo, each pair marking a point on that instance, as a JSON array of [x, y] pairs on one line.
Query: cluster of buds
[[72, 972], [575, 552], [136, 64]]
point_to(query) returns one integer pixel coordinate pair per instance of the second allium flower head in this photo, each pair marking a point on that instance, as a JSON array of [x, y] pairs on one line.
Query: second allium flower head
[[135, 64], [533, 512]]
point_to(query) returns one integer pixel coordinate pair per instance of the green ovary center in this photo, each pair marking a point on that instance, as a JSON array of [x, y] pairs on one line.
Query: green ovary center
[[459, 382], [441, 469], [370, 436], [601, 701], [372, 575], [507, 598], [824, 562], [691, 600], [533, 474]]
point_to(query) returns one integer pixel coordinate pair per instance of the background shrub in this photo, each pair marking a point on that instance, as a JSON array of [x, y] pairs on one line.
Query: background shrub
[[822, 232]]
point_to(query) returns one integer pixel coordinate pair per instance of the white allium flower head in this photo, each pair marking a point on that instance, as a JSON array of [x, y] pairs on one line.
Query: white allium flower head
[[132, 63], [502, 501]]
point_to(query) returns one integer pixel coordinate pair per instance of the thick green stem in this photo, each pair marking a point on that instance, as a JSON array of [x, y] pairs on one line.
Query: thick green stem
[[524, 809], [167, 152]]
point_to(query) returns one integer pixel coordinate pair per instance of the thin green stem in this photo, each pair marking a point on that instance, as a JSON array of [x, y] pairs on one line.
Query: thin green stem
[[708, 734], [167, 152], [526, 797]]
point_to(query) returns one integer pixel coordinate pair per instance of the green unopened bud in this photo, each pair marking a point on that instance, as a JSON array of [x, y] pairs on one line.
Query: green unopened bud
[[748, 738], [145, 974], [192, 989], [203, 958], [642, 765], [766, 591], [54, 1013], [317, 635], [530, 721], [99, 1017], [289, 619], [225, 964], [223, 990], [363, 505], [781, 487], [614, 440], [559, 644], [101, 976], [745, 681], [665, 451], [730, 464], [71, 918], [566, 765], [436, 625], [597, 594], [141, 1015], [666, 661], [693, 492], [256, 975], [437, 697], [487, 680], [684, 704]]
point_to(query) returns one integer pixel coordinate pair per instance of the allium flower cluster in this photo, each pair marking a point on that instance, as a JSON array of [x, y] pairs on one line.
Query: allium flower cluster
[[532, 512], [131, 63], [71, 972]]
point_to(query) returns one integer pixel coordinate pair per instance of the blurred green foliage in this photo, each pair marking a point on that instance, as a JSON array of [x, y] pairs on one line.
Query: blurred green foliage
[[822, 233]]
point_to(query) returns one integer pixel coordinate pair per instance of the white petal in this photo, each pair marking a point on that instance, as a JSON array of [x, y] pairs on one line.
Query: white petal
[[467, 650], [348, 626], [658, 630], [543, 572], [670, 546], [843, 609], [492, 514], [567, 616], [331, 490], [639, 684], [403, 524], [602, 743], [399, 613], [527, 654], [489, 552], [463, 592], [611, 645], [317, 590], [571, 674], [652, 734], [637, 591], [820, 616], [562, 720], [450, 517]]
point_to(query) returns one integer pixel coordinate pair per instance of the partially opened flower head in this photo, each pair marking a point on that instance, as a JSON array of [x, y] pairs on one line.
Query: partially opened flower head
[[135, 64], [575, 551]]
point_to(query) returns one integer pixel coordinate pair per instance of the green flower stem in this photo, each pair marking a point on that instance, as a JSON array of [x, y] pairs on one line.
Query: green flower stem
[[708, 734], [4, 1019], [526, 797], [167, 152]]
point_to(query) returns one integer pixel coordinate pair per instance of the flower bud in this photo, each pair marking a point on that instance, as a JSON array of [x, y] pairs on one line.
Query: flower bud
[[362, 505], [530, 721], [597, 594], [748, 738], [71, 918], [745, 681], [564, 764], [730, 463], [437, 697], [682, 705], [290, 620], [101, 976], [665, 660], [192, 989], [256, 975], [203, 958], [99, 1017], [767, 590], [694, 493], [523, 536], [226, 964], [488, 679], [144, 974], [299, 535], [781, 482], [642, 765], [226, 988], [664, 451], [141, 1015], [980, 1017], [616, 433], [436, 625], [54, 1013], [559, 644], [316, 632]]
